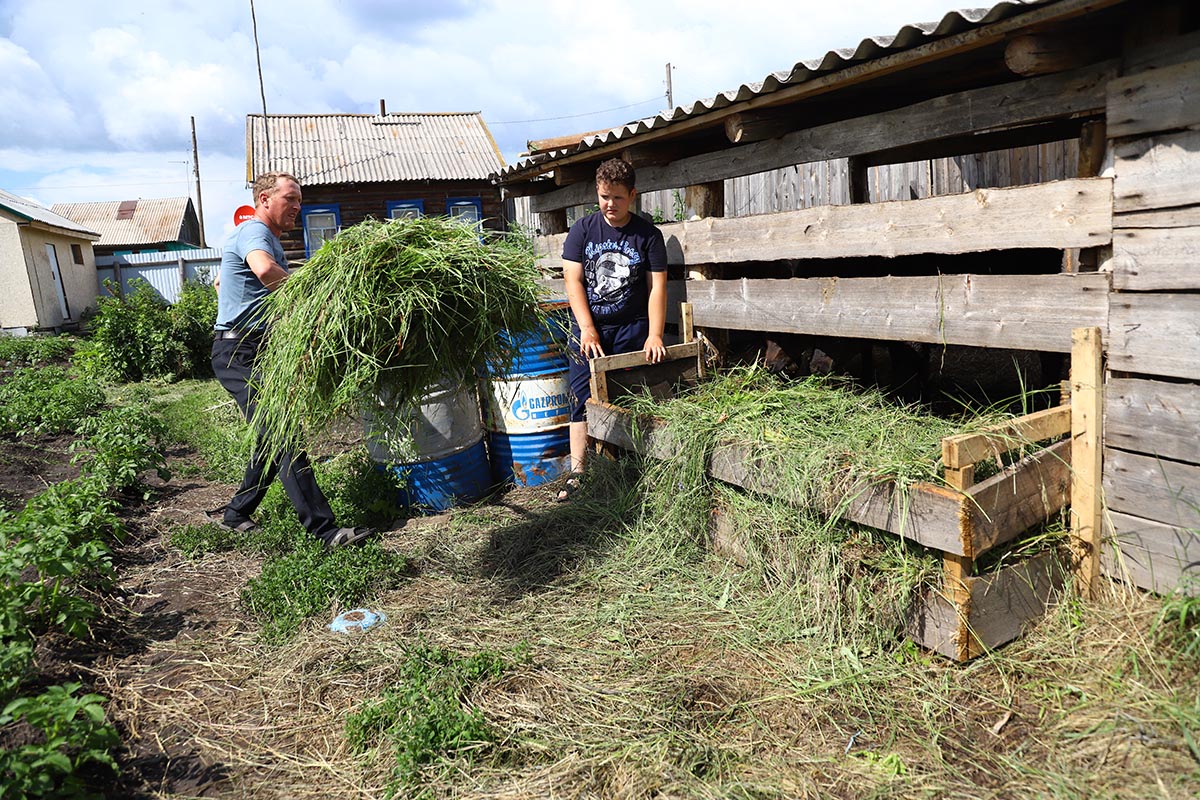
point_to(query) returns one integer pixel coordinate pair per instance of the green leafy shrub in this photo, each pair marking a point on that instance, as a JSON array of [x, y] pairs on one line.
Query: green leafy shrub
[[29, 351], [46, 400], [74, 738], [139, 336], [192, 319], [424, 716], [119, 444]]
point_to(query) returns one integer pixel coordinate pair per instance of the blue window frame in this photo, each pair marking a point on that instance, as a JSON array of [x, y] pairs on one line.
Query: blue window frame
[[468, 209], [399, 209], [320, 224]]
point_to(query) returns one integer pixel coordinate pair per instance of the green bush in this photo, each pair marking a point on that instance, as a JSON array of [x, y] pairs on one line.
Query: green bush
[[75, 738], [119, 444], [139, 336], [29, 351], [46, 400]]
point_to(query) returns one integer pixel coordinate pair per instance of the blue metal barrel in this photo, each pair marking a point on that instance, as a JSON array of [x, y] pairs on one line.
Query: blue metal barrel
[[528, 409], [435, 447]]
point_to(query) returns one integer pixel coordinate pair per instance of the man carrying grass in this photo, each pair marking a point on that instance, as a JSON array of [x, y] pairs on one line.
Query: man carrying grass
[[615, 271], [252, 266]]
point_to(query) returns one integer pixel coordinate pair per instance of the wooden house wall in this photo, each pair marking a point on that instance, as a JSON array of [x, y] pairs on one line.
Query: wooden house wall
[[1152, 399], [356, 202]]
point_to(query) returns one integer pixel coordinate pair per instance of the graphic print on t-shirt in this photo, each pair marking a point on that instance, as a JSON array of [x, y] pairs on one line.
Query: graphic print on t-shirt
[[611, 270]]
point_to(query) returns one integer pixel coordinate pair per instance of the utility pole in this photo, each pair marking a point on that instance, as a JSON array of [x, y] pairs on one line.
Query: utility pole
[[196, 167], [261, 90], [670, 94]]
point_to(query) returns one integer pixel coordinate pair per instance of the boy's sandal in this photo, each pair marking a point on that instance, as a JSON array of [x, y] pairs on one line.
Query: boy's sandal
[[569, 488]]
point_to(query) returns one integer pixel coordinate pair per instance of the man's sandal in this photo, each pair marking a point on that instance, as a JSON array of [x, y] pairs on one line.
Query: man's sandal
[[569, 488], [344, 537], [217, 515]]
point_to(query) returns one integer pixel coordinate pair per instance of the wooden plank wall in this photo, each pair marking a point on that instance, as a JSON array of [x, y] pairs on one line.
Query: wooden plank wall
[[1152, 400], [826, 183]]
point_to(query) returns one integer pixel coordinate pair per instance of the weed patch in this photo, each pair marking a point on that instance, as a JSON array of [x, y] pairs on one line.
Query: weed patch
[[426, 715]]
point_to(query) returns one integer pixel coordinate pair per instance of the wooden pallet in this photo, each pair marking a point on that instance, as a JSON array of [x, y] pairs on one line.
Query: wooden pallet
[[963, 519]]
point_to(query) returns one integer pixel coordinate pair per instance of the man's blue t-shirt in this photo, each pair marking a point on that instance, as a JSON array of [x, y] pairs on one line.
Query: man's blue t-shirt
[[615, 265], [240, 299]]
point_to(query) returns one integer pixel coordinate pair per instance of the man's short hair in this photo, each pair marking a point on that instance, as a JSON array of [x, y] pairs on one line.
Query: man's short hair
[[616, 171], [269, 182]]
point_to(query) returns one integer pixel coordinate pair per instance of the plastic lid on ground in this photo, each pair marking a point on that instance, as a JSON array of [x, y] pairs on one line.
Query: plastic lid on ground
[[356, 620]]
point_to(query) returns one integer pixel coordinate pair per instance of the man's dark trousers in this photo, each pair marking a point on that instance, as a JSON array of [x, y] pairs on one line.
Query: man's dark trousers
[[232, 363]]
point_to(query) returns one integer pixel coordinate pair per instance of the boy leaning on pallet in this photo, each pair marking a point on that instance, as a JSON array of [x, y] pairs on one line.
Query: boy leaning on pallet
[[615, 273]]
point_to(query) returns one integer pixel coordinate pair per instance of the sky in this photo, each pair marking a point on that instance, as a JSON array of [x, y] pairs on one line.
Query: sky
[[96, 99]]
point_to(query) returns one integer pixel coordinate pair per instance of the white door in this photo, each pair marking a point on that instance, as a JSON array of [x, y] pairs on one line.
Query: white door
[[52, 254]]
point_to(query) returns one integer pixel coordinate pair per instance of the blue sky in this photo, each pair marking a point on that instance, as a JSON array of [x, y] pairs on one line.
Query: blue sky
[[96, 98]]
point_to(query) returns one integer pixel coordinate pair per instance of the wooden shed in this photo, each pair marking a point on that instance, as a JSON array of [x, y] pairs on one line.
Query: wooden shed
[[1086, 239], [385, 165]]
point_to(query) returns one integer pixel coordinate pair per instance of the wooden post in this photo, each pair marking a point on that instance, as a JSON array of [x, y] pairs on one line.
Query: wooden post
[[956, 569], [1087, 409], [687, 325], [705, 200]]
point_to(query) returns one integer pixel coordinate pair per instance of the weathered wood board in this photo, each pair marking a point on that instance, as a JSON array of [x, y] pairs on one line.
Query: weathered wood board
[[1065, 95], [1155, 334], [1149, 102], [1010, 502], [1060, 215], [1152, 488], [1000, 606], [1146, 259], [1155, 418], [1157, 172], [1027, 312], [1151, 555]]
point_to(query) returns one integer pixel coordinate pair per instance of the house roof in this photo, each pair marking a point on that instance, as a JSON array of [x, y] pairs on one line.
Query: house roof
[[372, 148], [124, 223], [32, 212], [760, 94]]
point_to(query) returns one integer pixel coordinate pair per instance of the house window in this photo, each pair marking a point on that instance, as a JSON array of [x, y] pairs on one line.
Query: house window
[[77, 254], [405, 209], [467, 209], [320, 224]]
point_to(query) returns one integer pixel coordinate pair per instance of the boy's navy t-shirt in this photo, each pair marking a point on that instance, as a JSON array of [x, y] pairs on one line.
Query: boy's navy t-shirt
[[615, 265]]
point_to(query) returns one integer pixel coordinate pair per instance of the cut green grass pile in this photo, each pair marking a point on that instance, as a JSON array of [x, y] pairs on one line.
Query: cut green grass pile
[[390, 309]]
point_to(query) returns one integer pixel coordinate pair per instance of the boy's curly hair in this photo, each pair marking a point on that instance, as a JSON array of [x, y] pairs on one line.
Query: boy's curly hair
[[616, 171]]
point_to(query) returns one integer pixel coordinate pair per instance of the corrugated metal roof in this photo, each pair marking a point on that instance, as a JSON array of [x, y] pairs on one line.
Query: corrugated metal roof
[[154, 221], [29, 210], [875, 47], [373, 148]]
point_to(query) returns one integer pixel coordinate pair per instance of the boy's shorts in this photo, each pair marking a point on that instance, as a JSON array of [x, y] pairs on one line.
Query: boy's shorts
[[626, 337]]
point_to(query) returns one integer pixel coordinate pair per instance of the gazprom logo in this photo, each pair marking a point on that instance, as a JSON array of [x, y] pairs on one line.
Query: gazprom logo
[[542, 406]]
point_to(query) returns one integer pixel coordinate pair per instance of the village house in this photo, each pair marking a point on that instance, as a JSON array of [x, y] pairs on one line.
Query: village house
[[47, 267], [385, 165], [127, 227]]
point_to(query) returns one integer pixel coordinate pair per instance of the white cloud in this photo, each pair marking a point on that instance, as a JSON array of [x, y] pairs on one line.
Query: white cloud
[[98, 95]]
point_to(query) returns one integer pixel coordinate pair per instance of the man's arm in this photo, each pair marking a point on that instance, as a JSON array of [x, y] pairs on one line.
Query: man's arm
[[589, 337], [655, 350], [265, 269]]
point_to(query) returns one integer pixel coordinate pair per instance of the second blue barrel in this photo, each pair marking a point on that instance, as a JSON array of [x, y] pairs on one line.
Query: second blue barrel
[[528, 408], [435, 447]]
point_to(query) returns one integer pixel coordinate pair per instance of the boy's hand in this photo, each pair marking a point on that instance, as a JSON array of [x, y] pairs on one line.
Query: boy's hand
[[655, 350], [589, 343]]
